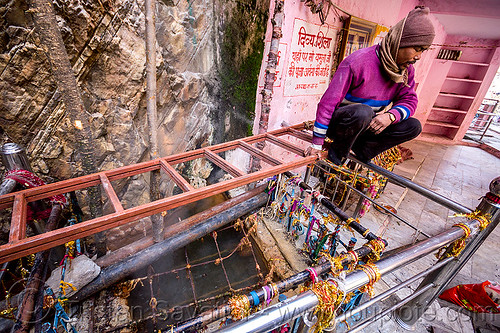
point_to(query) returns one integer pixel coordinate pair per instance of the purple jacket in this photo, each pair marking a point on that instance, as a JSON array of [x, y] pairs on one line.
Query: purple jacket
[[360, 79]]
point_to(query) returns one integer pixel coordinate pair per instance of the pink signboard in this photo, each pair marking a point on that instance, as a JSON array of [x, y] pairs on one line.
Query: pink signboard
[[310, 59]]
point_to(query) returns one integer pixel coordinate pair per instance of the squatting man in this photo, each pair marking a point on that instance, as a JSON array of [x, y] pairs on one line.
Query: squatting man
[[368, 105]]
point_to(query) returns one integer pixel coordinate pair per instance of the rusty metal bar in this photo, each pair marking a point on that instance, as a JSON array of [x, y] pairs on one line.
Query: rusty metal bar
[[87, 228], [285, 144], [259, 153], [47, 240], [106, 184], [179, 227], [223, 164], [46, 191], [121, 270], [300, 135], [18, 221], [176, 177]]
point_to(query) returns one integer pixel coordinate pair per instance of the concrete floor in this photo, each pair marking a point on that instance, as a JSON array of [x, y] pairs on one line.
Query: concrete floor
[[463, 174]]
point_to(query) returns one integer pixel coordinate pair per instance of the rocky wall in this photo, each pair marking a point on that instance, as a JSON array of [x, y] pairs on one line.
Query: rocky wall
[[208, 57]]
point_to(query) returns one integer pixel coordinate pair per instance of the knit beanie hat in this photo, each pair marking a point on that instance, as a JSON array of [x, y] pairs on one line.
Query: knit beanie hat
[[418, 29]]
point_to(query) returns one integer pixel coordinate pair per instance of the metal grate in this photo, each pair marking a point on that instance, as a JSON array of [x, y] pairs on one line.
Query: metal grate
[[447, 54]]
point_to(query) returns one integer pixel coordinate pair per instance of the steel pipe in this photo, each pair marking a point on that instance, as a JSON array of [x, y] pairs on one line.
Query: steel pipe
[[390, 291], [210, 316], [356, 226], [275, 315], [410, 254], [490, 205], [367, 322], [121, 270], [383, 208], [14, 157], [386, 265], [7, 186], [446, 202]]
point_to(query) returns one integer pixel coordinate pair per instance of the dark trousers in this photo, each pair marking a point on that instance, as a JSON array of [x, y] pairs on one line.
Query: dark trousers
[[348, 129]]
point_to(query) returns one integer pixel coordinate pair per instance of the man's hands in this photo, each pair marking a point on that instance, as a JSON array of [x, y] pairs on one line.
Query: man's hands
[[380, 122], [311, 151]]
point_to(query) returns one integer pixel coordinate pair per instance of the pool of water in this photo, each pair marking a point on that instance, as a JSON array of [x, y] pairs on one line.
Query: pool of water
[[183, 293]]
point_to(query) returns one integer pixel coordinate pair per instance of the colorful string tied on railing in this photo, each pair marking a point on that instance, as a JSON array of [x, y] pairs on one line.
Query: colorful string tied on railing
[[270, 291], [457, 246], [329, 298], [373, 273], [377, 246], [240, 306], [323, 236], [348, 222], [484, 220], [312, 222], [354, 259], [335, 263], [60, 317]]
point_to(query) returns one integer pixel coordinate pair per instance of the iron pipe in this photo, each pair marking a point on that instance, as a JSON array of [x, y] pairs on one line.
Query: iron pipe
[[386, 265], [121, 270], [128, 250], [273, 316]]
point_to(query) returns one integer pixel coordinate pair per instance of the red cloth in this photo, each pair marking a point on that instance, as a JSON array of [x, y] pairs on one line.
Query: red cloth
[[472, 297], [29, 180]]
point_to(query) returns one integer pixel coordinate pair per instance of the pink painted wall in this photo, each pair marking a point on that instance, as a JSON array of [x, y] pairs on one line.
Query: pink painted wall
[[474, 50], [295, 109]]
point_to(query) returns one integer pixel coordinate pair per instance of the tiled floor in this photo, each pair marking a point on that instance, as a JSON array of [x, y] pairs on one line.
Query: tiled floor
[[461, 173]]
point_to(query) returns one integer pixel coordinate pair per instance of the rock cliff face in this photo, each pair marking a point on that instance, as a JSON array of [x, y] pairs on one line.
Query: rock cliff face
[[208, 57]]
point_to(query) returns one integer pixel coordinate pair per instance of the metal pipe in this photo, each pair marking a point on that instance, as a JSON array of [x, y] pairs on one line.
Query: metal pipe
[[14, 157], [36, 278], [339, 212], [490, 205], [386, 265], [275, 315], [210, 316], [121, 270], [446, 202], [182, 226], [390, 291], [367, 322], [385, 209], [7, 186], [486, 128], [154, 176]]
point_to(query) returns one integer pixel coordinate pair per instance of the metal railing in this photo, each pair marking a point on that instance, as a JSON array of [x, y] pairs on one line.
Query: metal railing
[[484, 117], [436, 277]]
